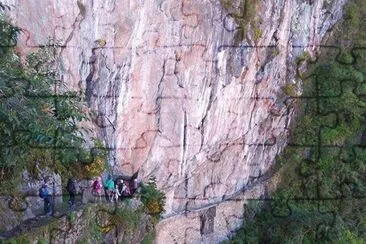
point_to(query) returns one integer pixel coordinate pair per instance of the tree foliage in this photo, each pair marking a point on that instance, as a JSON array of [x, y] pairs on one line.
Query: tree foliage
[[335, 170], [152, 198], [40, 118]]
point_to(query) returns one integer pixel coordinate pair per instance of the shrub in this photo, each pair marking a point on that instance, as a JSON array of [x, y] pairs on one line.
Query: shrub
[[126, 218], [289, 89], [153, 199], [39, 116]]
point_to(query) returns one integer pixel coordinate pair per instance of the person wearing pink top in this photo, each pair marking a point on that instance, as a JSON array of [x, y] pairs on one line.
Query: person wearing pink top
[[97, 188]]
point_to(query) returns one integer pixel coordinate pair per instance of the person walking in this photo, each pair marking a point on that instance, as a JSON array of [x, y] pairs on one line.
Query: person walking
[[121, 188], [45, 192], [109, 185], [97, 188], [117, 193], [71, 189]]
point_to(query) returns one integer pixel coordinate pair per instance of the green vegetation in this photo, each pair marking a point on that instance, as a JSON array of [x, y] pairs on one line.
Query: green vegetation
[[326, 158], [303, 57], [127, 218], [92, 225], [149, 238], [257, 34], [40, 127], [39, 117], [289, 89], [153, 199], [354, 22], [245, 16]]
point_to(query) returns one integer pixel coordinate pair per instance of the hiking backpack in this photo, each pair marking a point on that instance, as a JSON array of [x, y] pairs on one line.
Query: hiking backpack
[[71, 188], [43, 193]]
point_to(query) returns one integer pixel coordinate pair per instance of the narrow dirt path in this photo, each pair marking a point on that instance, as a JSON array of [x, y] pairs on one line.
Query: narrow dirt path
[[61, 210]]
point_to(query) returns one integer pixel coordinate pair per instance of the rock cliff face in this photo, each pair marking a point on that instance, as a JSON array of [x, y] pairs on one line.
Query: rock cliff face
[[177, 98]]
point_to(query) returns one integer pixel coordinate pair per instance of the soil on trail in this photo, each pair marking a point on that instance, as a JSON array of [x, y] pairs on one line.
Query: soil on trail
[[41, 219]]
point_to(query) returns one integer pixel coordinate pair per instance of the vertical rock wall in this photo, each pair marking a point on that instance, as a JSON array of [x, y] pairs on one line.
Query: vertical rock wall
[[176, 98]]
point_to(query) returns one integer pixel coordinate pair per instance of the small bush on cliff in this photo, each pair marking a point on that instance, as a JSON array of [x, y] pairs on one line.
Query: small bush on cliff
[[244, 16], [153, 199], [127, 218]]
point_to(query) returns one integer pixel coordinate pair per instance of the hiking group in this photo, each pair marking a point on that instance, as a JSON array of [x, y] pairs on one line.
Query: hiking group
[[114, 190]]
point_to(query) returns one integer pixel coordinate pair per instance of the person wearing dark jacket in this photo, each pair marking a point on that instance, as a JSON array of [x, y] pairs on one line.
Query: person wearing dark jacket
[[71, 189]]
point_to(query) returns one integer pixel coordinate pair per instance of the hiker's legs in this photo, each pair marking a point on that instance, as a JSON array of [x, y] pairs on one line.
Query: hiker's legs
[[111, 195], [106, 193], [50, 205], [97, 194], [47, 205], [72, 199]]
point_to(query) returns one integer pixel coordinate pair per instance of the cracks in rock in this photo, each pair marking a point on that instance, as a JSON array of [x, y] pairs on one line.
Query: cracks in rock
[[173, 238], [251, 113], [79, 18], [156, 112], [187, 238], [82, 9], [228, 222], [177, 60], [89, 78], [186, 193], [201, 127], [107, 82], [141, 142], [113, 8], [207, 219], [253, 182], [184, 143], [187, 26], [211, 185], [158, 99]]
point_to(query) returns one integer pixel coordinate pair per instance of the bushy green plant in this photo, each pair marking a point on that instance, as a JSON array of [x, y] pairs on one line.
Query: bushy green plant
[[152, 198], [149, 238], [289, 89], [127, 218], [39, 116]]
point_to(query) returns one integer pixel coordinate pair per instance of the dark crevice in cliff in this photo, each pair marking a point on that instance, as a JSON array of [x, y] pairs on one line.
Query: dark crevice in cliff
[[79, 18], [201, 127], [254, 96], [158, 99], [89, 86], [177, 60], [186, 193], [184, 141]]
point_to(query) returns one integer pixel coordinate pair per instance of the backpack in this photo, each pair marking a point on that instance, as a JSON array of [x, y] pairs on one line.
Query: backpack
[[43, 193], [127, 189], [71, 188]]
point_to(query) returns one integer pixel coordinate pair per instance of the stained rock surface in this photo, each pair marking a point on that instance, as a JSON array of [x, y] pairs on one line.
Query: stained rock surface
[[178, 97]]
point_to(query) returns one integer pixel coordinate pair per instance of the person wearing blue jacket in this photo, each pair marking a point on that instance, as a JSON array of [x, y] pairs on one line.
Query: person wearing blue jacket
[[109, 186]]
